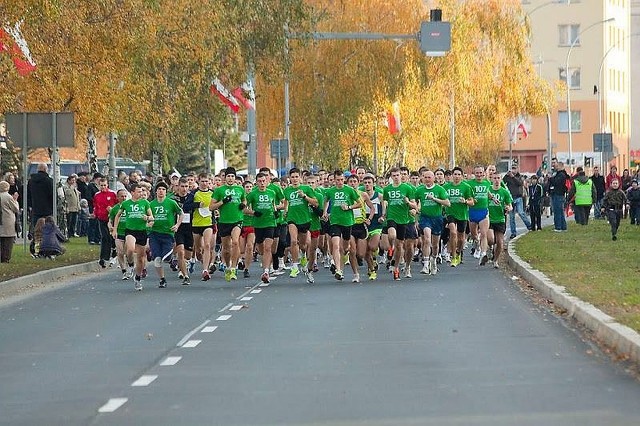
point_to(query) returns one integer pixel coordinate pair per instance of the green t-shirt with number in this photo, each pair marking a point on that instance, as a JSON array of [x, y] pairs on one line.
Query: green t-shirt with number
[[165, 214], [203, 197], [263, 202], [397, 207], [230, 212], [458, 195], [499, 199], [315, 219], [480, 192], [297, 205], [337, 198], [277, 190], [135, 212], [123, 218], [429, 207]]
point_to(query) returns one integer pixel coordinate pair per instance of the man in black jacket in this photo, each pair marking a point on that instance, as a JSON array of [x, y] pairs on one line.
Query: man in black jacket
[[40, 194], [515, 184], [558, 191], [598, 183]]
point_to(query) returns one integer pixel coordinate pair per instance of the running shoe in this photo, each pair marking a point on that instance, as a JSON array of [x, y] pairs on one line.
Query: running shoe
[[425, 267], [265, 278], [396, 274], [294, 272], [304, 261], [233, 274], [495, 264], [241, 264], [186, 281], [407, 272], [191, 265], [373, 275], [163, 283], [125, 275], [137, 284], [102, 263], [205, 276], [433, 266], [245, 273], [173, 264], [315, 267], [180, 275], [356, 278], [333, 268], [484, 258], [339, 275], [227, 274], [310, 278]]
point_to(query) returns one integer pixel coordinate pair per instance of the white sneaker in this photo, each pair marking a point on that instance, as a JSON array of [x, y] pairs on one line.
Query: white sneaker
[[125, 276], [477, 254], [407, 271], [113, 261], [495, 264], [356, 278], [446, 257], [137, 285], [433, 266], [132, 273], [310, 278], [180, 275], [425, 268]]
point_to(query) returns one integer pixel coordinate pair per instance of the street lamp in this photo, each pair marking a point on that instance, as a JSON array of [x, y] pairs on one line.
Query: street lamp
[[568, 81]]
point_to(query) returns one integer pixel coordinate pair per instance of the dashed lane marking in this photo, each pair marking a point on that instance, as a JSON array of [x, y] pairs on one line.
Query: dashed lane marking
[[209, 329], [112, 405], [256, 291], [191, 343], [170, 360], [223, 317], [191, 333], [235, 308], [144, 380], [246, 299]]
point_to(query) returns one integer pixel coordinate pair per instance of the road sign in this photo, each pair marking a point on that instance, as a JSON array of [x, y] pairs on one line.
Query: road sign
[[40, 129], [279, 148], [602, 142], [435, 38]]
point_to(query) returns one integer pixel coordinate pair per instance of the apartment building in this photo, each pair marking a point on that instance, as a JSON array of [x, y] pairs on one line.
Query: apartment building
[[592, 38]]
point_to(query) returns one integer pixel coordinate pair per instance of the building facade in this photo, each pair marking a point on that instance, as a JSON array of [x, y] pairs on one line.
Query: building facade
[[592, 38]]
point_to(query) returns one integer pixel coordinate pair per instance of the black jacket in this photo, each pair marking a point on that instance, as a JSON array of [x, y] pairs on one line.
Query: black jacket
[[558, 183], [40, 194], [598, 183]]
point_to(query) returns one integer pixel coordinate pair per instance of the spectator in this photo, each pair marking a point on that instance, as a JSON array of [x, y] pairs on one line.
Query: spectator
[[47, 239], [9, 211], [515, 185], [546, 199], [625, 185], [83, 218], [599, 184], [536, 193], [93, 231], [633, 197], [40, 194], [72, 201], [613, 175], [558, 190], [102, 203], [612, 204], [583, 195]]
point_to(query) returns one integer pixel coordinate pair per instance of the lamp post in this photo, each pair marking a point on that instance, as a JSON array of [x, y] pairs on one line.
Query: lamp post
[[568, 81]]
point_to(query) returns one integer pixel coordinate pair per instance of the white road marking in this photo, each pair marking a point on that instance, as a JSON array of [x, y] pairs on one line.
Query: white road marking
[[223, 317], [112, 405], [235, 308], [191, 333], [246, 299], [226, 307], [144, 380], [251, 290], [191, 343], [265, 284], [209, 329], [256, 291], [170, 360]]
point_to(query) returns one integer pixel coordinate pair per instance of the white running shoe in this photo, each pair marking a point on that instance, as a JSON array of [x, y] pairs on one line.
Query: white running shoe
[[137, 284], [407, 271], [356, 278], [425, 267], [433, 266]]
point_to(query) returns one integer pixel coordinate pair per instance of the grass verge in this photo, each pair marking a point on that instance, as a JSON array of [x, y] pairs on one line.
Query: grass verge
[[21, 264], [590, 265]]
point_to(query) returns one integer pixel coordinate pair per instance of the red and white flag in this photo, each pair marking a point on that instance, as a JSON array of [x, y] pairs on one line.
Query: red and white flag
[[520, 128], [13, 43], [392, 121], [217, 88], [245, 95]]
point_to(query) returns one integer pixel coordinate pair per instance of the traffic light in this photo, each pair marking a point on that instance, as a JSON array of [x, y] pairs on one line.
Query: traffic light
[[544, 164], [588, 161]]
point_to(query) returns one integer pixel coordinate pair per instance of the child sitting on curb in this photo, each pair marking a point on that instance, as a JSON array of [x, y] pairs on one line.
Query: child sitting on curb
[[46, 239]]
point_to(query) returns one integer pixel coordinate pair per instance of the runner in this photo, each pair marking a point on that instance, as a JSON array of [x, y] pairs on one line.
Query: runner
[[247, 237], [120, 236], [139, 218], [184, 234], [397, 201], [359, 231], [339, 203], [499, 204], [314, 228], [479, 214], [374, 225], [298, 198], [261, 204], [431, 199], [461, 197], [230, 200], [202, 224], [167, 216]]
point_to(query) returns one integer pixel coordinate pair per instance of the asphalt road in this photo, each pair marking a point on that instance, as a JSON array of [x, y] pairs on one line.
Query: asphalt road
[[466, 347]]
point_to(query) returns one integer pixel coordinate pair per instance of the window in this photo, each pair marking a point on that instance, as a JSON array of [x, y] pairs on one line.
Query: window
[[574, 80], [576, 121], [568, 34]]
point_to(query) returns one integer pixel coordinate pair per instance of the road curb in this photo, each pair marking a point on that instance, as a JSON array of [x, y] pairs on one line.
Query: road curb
[[48, 276], [622, 339]]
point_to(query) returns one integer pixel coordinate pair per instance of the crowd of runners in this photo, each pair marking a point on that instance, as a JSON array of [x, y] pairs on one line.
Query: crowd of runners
[[304, 222]]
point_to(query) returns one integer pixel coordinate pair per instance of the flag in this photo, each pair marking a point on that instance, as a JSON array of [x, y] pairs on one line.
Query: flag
[[392, 121], [13, 43], [225, 96], [522, 129], [245, 95], [519, 127]]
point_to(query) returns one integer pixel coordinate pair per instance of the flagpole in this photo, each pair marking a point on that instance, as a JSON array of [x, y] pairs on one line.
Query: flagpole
[[514, 131]]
